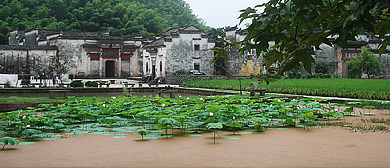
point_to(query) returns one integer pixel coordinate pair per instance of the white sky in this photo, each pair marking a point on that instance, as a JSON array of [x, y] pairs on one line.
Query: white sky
[[221, 13]]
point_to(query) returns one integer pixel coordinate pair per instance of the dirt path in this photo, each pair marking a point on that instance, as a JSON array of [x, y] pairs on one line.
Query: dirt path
[[325, 147]]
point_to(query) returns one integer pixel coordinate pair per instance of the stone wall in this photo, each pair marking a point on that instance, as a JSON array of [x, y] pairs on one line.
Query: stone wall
[[23, 59], [327, 54], [179, 57], [207, 57], [179, 79], [385, 60], [73, 51]]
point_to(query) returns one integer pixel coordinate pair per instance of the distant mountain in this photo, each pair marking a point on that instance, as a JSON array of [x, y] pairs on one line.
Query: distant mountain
[[121, 17]]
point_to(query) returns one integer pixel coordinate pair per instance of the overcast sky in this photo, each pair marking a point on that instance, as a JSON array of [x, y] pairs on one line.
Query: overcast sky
[[221, 13]]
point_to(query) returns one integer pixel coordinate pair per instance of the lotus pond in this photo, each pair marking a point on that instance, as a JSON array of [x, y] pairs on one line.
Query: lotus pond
[[154, 118]]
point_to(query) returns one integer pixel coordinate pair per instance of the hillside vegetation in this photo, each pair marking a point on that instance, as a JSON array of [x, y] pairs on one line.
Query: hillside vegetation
[[148, 17]]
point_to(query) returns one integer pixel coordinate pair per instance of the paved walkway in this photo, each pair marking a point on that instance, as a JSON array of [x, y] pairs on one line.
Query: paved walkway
[[334, 98], [117, 83]]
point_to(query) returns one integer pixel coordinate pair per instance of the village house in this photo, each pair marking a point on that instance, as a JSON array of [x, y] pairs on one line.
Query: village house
[[336, 56], [182, 48], [246, 64], [94, 54], [100, 55], [20, 59]]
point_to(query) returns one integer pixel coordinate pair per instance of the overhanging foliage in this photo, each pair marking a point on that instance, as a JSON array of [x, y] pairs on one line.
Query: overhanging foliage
[[299, 26]]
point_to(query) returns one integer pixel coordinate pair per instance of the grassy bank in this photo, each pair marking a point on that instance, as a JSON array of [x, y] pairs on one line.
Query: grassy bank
[[351, 88]]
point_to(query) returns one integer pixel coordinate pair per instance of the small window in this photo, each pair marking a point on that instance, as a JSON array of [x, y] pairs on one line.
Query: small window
[[161, 66], [147, 67], [197, 47]]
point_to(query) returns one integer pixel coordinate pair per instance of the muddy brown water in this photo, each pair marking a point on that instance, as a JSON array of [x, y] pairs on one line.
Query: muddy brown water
[[324, 147], [293, 147]]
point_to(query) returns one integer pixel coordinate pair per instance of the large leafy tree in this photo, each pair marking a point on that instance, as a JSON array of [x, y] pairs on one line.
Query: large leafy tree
[[365, 62], [299, 26]]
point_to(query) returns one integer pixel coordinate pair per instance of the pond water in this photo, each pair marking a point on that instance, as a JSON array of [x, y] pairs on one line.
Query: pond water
[[96, 94]]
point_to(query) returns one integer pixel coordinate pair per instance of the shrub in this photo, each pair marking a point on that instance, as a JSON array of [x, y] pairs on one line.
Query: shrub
[[181, 72], [77, 84], [294, 75], [91, 84], [321, 68], [26, 82], [7, 84]]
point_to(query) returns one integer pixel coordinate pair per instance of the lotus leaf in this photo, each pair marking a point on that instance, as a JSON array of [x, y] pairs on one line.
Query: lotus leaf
[[338, 115], [8, 141], [368, 107], [32, 133], [234, 138], [234, 124], [214, 126], [25, 143], [290, 122], [142, 133], [259, 127]]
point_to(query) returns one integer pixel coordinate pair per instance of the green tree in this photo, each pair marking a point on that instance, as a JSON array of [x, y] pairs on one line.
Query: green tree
[[121, 17], [322, 68], [354, 69], [365, 62], [298, 26], [4, 29]]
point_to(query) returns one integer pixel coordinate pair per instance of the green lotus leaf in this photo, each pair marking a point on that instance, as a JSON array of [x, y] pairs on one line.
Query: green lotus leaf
[[234, 124], [338, 115], [32, 133], [214, 126], [8, 141], [142, 132], [368, 107], [25, 143], [234, 138], [354, 103], [290, 122]]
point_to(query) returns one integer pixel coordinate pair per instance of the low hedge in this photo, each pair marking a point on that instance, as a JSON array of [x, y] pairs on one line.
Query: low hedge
[[91, 84], [76, 84]]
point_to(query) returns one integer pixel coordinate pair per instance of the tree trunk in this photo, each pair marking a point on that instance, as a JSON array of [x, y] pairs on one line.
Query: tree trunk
[[252, 93], [214, 136]]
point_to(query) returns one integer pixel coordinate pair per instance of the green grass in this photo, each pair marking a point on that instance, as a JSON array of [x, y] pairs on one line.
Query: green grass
[[29, 100], [335, 87]]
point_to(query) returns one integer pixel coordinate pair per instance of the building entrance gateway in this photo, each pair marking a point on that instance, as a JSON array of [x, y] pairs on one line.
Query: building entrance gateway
[[110, 69]]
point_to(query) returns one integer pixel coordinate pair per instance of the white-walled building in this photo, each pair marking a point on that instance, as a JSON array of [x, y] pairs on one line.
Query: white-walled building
[[182, 48], [94, 54], [22, 59]]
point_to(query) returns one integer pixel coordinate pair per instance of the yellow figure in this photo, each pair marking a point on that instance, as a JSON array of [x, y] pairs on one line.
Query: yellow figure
[[250, 68]]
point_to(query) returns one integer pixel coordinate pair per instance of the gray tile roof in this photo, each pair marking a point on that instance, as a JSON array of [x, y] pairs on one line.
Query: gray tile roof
[[32, 47]]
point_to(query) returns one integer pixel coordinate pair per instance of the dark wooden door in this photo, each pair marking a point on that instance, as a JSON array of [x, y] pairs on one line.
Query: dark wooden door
[[110, 69], [153, 71]]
